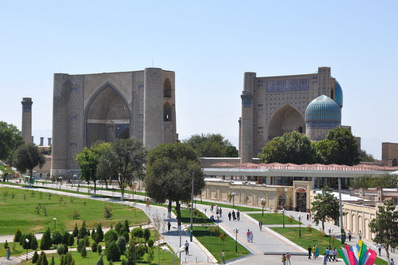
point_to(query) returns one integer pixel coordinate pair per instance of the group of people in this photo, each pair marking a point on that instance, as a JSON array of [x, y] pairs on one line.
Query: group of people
[[286, 259], [313, 252], [234, 215], [249, 236], [330, 255]]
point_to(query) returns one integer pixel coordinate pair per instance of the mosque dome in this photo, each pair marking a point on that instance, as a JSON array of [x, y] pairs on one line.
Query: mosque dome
[[339, 95], [323, 111]]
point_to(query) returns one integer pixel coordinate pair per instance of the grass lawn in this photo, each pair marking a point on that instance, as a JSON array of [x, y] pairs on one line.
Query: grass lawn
[[215, 245], [311, 239], [272, 218], [240, 208], [186, 217], [21, 208]]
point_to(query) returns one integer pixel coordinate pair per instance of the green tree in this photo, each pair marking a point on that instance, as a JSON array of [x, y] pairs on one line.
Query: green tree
[[83, 251], [57, 238], [99, 232], [113, 252], [26, 157], [108, 212], [88, 160], [292, 147], [339, 147], [45, 242], [123, 161], [35, 257], [366, 182], [110, 236], [121, 243], [83, 230], [42, 259], [212, 145], [385, 226], [169, 174], [365, 157], [101, 260], [10, 140], [325, 206], [17, 235], [75, 231]]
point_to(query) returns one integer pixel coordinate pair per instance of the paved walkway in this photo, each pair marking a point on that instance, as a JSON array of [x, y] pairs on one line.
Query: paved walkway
[[197, 252]]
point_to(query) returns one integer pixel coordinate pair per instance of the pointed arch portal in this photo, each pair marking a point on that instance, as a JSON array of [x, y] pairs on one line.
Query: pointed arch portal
[[286, 119], [107, 116]]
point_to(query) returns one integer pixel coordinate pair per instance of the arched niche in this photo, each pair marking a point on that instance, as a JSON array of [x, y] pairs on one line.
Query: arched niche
[[107, 116], [286, 119], [394, 162], [167, 88]]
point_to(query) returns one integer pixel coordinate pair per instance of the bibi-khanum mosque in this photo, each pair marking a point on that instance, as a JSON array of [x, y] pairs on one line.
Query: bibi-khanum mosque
[[142, 104]]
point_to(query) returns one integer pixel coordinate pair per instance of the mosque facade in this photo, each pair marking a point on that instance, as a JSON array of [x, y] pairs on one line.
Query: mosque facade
[[105, 107], [271, 106]]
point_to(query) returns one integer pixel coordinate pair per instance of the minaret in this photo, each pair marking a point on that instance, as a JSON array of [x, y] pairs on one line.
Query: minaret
[[246, 121], [27, 119]]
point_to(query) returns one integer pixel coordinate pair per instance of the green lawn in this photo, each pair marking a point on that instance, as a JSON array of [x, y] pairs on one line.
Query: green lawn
[[313, 238], [186, 217], [273, 218], [21, 208], [215, 245], [240, 208]]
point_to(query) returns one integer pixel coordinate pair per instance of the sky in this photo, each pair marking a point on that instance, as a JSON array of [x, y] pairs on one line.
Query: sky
[[209, 45]]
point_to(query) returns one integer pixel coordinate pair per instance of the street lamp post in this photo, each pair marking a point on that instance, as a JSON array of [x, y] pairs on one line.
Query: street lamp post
[[27, 247], [299, 217], [166, 249], [233, 199], [180, 232], [262, 204], [236, 230], [55, 223], [330, 235], [283, 217]]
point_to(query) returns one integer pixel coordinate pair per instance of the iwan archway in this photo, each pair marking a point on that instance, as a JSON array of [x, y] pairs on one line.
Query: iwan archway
[[108, 116], [286, 119]]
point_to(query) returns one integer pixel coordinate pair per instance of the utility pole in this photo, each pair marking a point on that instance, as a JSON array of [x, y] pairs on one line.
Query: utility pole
[[192, 204]]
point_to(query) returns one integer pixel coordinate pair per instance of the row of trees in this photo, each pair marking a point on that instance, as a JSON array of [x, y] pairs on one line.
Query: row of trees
[[339, 147]]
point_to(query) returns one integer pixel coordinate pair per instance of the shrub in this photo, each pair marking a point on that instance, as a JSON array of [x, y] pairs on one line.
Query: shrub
[[75, 214], [68, 260], [75, 231], [42, 259], [124, 262], [110, 237], [83, 251], [100, 261], [121, 243], [83, 230], [35, 257], [100, 233], [151, 255], [45, 242], [137, 232], [52, 261], [33, 243], [87, 241], [61, 249], [108, 212], [118, 228], [99, 249], [94, 247], [71, 240], [126, 226], [147, 234], [57, 238], [215, 230], [65, 238], [80, 245], [150, 243], [113, 252], [18, 235]]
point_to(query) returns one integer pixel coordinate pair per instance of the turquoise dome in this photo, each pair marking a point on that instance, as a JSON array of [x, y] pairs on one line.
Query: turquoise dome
[[323, 112], [339, 95]]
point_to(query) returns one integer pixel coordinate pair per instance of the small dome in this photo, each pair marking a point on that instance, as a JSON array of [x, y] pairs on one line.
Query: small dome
[[323, 110], [339, 95]]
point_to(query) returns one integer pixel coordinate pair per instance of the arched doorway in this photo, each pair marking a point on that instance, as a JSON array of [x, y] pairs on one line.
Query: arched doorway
[[107, 116], [167, 112], [286, 119], [394, 162], [301, 200]]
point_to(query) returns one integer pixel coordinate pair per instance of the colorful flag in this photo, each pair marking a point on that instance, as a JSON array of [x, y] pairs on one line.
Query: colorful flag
[[372, 258]]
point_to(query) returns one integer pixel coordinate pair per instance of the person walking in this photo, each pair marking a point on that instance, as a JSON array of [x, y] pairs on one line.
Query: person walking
[[233, 215], [360, 235], [8, 253], [309, 251], [238, 215], [251, 236], [186, 247], [248, 235], [379, 248], [260, 224], [349, 235], [283, 259], [317, 252], [168, 226], [392, 262], [325, 259], [223, 256], [327, 253], [288, 258], [229, 216], [314, 251], [220, 212]]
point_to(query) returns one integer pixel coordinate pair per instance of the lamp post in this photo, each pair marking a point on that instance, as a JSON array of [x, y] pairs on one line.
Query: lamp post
[[236, 230], [330, 235], [233, 199], [283, 217], [27, 247], [262, 204], [166, 249], [55, 223], [180, 232], [299, 217]]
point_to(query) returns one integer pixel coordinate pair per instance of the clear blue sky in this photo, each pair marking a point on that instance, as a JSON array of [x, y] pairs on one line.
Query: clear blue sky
[[209, 44]]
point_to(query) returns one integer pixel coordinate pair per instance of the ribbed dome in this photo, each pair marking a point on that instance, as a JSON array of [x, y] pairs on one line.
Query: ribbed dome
[[339, 95], [323, 110]]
